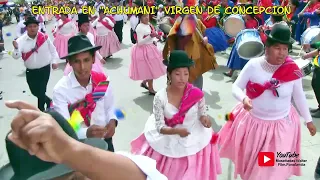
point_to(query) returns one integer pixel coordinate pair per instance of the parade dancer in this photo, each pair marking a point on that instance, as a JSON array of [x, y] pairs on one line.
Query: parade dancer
[[87, 91], [38, 53], [120, 20], [146, 59], [178, 133], [64, 30], [84, 24], [42, 26], [106, 37], [21, 27], [195, 44], [266, 120]]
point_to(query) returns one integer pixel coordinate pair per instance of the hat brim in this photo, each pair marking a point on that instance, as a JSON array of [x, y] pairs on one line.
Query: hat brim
[[188, 64], [291, 40], [95, 48], [6, 172]]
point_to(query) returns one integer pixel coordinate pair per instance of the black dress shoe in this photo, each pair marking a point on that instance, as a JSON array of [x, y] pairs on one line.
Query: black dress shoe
[[313, 110], [316, 114], [227, 74]]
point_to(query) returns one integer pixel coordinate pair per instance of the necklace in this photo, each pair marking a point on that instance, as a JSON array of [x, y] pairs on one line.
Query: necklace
[[269, 67]]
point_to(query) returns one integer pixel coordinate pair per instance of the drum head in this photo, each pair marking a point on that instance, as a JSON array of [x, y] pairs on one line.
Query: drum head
[[310, 35], [233, 25], [250, 49]]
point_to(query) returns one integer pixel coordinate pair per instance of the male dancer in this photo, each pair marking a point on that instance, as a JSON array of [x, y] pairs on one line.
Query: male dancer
[[38, 53], [197, 48], [86, 91]]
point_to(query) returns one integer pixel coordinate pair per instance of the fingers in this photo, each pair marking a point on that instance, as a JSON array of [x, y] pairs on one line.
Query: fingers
[[17, 141], [20, 105], [22, 118]]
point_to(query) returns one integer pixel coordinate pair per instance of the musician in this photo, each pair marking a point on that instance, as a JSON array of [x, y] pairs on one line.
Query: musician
[[315, 77], [216, 36], [196, 46], [235, 62], [265, 118], [312, 14], [39, 54]]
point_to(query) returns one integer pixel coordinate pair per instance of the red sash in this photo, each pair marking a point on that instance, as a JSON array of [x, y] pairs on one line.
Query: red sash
[[191, 96], [87, 105], [287, 72], [64, 22], [105, 24], [41, 38], [112, 19]]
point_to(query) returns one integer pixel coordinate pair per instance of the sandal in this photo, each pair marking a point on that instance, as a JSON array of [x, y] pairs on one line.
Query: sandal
[[227, 74], [152, 93], [143, 85]]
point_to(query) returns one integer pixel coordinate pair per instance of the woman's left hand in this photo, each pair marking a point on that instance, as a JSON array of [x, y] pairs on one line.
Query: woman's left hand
[[205, 121]]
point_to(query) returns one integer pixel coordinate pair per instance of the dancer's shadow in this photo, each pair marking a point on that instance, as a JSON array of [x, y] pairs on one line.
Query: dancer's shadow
[[212, 99], [126, 46], [145, 102], [214, 125], [217, 74], [306, 83], [114, 63], [22, 74]]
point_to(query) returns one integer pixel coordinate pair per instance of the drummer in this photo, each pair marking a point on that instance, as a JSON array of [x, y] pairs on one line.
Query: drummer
[[234, 60], [315, 83], [216, 36]]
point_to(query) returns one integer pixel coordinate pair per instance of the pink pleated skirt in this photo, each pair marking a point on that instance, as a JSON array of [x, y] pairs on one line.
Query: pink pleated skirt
[[61, 44], [242, 139], [146, 62], [97, 67], [110, 44], [205, 165]]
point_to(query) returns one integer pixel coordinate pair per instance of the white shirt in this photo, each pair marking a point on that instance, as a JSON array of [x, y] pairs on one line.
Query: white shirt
[[142, 30], [160, 15], [173, 145], [267, 106], [67, 29], [68, 91], [120, 17], [101, 29], [19, 27], [46, 54], [134, 21], [147, 165]]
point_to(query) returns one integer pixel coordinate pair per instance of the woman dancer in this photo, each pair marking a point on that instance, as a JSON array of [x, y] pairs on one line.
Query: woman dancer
[[106, 37], [146, 59], [64, 30], [84, 24], [266, 120], [178, 133]]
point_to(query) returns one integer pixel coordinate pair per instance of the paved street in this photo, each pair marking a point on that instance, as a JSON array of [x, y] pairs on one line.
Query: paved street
[[136, 101]]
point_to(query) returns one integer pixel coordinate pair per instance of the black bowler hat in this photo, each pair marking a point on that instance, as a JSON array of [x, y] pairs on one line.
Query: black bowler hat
[[178, 59], [281, 33], [31, 20], [24, 166], [83, 18], [78, 44]]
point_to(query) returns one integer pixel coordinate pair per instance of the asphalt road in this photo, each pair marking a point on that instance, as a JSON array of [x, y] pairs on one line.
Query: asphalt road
[[136, 101]]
